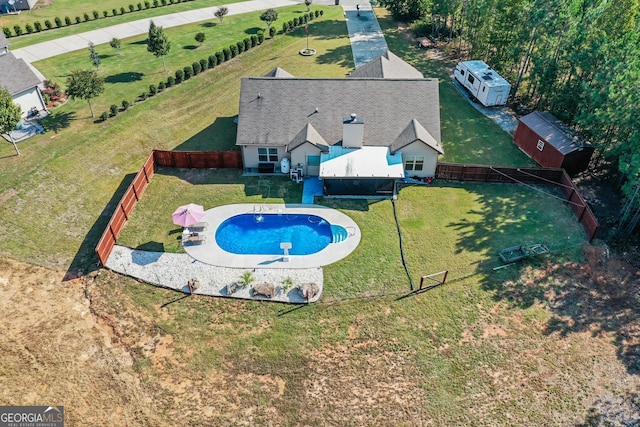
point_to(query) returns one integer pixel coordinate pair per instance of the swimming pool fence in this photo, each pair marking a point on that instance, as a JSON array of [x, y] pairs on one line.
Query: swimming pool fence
[[173, 159]]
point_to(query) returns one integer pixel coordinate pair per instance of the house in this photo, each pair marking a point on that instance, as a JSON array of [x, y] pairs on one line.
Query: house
[[18, 78], [7, 6], [550, 143], [358, 134]]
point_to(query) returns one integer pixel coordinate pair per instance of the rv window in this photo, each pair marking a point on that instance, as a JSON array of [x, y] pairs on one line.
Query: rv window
[[483, 88], [471, 79], [462, 72], [540, 145]]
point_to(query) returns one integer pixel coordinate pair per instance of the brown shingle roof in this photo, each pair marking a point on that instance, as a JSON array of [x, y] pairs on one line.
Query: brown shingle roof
[[387, 66], [308, 134], [273, 110], [279, 72], [412, 133], [3, 41]]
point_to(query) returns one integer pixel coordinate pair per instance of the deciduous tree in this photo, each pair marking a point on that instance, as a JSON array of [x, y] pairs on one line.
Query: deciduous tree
[[221, 12], [10, 114], [85, 84], [158, 43], [269, 16]]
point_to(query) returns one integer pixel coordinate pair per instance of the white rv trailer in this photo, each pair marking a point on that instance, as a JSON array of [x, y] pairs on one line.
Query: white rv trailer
[[482, 82]]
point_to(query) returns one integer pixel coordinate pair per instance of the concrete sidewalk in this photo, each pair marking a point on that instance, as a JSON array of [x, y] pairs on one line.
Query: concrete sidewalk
[[365, 34]]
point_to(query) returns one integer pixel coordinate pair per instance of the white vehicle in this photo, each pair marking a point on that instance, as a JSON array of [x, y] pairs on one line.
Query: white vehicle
[[482, 82]]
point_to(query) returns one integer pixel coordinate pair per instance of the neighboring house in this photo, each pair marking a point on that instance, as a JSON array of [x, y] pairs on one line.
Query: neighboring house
[[359, 134], [551, 143], [20, 80], [7, 6]]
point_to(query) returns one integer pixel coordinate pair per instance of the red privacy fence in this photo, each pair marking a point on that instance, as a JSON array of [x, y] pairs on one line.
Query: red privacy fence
[[479, 173], [175, 159]]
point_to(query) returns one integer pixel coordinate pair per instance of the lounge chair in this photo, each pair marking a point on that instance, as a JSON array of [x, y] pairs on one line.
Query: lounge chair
[[199, 226], [193, 238]]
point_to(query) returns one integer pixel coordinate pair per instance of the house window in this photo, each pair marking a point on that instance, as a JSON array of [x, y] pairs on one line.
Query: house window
[[414, 163], [267, 154], [313, 160], [540, 145]]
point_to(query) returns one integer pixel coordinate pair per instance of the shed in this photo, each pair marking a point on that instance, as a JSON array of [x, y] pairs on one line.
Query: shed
[[552, 144]]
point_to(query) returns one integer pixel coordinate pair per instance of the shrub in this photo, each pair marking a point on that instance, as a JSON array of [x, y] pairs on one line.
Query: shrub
[[296, 22], [179, 76], [122, 11], [125, 105], [219, 57], [46, 98], [204, 64], [213, 61], [6, 31], [104, 116], [247, 44], [196, 68], [105, 13], [153, 89], [147, 5], [161, 86], [234, 50], [132, 7], [285, 28], [254, 40], [308, 16], [188, 72], [240, 46], [156, 3], [28, 28], [114, 12], [291, 26], [48, 24], [316, 13], [139, 6], [321, 12], [18, 29], [200, 37], [164, 2], [78, 20], [67, 20], [113, 110], [171, 80], [227, 53], [260, 37], [58, 22], [143, 96], [95, 14], [86, 17], [38, 25], [272, 31]]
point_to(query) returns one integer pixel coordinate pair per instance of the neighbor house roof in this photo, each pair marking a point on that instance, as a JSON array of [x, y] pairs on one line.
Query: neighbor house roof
[[308, 134], [15, 74], [556, 133], [412, 133], [387, 66], [3, 41], [273, 110]]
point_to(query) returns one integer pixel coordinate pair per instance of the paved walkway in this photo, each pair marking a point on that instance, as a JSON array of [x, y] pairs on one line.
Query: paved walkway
[[365, 34]]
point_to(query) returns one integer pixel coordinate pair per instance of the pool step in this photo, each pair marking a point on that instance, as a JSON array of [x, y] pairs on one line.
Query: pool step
[[338, 233]]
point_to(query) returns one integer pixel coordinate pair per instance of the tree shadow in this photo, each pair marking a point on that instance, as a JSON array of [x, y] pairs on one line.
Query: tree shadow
[[190, 47], [127, 77], [340, 55], [218, 136], [58, 121], [85, 260], [253, 30], [208, 24], [139, 42]]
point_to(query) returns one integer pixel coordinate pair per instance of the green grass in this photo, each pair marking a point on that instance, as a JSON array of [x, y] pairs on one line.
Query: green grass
[[73, 8]]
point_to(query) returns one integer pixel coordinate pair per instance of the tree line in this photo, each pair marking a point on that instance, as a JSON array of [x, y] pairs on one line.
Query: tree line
[[578, 59]]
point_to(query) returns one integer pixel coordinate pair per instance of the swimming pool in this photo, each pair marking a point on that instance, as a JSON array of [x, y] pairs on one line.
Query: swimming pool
[[262, 234]]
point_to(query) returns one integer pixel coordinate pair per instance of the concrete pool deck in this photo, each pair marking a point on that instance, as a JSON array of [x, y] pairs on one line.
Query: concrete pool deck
[[209, 252]]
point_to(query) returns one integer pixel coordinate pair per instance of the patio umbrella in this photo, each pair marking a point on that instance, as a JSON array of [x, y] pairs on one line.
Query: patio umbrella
[[188, 215]]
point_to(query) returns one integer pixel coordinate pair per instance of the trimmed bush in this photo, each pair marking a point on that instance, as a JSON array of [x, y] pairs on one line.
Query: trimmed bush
[[78, 20], [132, 7], [143, 96], [86, 17], [247, 44], [95, 14], [200, 37], [316, 13], [28, 28], [204, 64], [147, 5], [161, 86], [125, 105], [213, 61], [254, 40], [113, 110], [122, 11], [171, 80], [139, 6], [179, 76], [58, 22], [234, 50], [188, 72], [321, 12], [156, 3], [240, 47], [285, 28], [153, 90], [104, 116], [260, 37], [296, 22], [219, 57], [227, 53], [291, 26], [114, 12], [272, 31], [164, 2], [38, 25], [48, 24], [196, 68], [105, 13], [67, 20], [18, 29], [6, 31]]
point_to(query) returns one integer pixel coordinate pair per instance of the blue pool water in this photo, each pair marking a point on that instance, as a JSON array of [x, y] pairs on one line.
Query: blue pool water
[[261, 234]]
